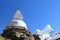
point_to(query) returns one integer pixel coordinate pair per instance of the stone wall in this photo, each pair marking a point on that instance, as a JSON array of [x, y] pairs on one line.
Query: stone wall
[[2, 38]]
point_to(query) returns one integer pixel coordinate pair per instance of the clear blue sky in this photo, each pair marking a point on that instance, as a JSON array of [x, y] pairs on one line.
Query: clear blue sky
[[37, 13]]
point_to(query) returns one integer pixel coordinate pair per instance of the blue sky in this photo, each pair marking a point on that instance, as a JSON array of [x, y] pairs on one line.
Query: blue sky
[[37, 13]]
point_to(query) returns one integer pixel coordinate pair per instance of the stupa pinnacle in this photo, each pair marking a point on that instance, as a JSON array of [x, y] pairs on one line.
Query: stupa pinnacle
[[18, 15]]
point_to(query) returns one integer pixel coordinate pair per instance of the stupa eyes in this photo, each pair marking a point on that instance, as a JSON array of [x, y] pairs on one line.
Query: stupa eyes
[[14, 22]]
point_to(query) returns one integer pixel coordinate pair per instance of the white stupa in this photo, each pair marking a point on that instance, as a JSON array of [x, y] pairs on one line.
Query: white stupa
[[17, 21]]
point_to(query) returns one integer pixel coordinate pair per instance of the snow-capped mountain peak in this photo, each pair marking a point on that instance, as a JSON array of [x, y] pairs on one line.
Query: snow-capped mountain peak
[[38, 32], [48, 29]]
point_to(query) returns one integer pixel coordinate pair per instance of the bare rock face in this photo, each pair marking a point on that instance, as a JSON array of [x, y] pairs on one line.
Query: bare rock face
[[32, 38], [36, 37]]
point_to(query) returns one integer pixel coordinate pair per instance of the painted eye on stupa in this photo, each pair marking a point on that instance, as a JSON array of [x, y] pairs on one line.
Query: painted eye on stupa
[[14, 22]]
